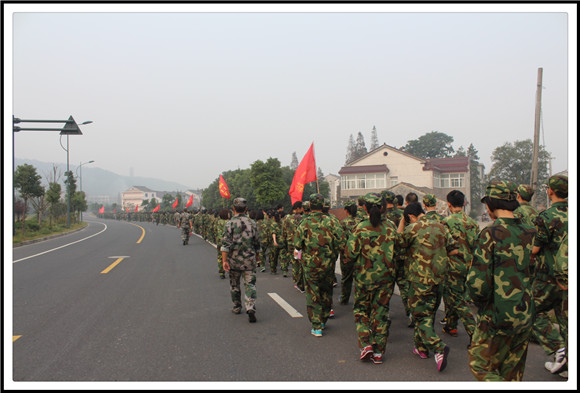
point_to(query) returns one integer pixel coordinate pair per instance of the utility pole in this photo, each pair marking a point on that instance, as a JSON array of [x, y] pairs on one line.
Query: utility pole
[[536, 152]]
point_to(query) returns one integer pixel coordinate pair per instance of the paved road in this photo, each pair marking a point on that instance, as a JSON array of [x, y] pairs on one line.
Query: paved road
[[128, 302]]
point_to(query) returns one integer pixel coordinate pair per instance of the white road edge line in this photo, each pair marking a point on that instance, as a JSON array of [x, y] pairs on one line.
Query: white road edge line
[[66, 245], [282, 303]]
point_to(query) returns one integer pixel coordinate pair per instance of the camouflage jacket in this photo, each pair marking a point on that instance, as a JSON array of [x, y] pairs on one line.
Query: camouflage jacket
[[464, 231], [337, 227], [241, 242], [318, 239], [289, 224], [264, 232], [552, 226], [219, 228], [361, 215], [500, 279], [184, 220], [427, 243], [561, 261], [394, 214], [372, 251], [526, 213]]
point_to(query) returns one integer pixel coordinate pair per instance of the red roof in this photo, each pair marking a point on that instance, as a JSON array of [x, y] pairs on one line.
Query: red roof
[[447, 165], [347, 170]]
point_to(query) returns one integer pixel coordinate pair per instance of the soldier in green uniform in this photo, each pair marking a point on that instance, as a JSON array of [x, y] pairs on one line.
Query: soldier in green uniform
[[500, 284], [224, 216], [428, 245], [525, 211], [552, 226], [240, 245], [393, 213], [289, 224], [371, 247], [184, 223], [464, 231], [347, 266], [337, 227], [317, 242]]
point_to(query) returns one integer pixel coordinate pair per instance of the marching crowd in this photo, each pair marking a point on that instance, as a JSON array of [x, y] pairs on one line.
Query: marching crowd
[[514, 271]]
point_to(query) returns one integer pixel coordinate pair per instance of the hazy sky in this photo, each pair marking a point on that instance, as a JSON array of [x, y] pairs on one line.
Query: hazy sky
[[178, 93]]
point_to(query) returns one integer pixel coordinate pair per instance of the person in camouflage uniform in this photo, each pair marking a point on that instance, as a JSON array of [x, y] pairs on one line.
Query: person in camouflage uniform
[[184, 223], [428, 245], [371, 247], [361, 215], [274, 247], [464, 231], [220, 225], [289, 224], [500, 284], [240, 245], [337, 227], [347, 266], [393, 213], [317, 240], [552, 226], [265, 235], [525, 211]]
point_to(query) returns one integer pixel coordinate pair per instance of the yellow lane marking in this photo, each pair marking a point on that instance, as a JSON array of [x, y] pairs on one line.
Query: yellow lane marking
[[14, 338], [142, 235], [112, 265]]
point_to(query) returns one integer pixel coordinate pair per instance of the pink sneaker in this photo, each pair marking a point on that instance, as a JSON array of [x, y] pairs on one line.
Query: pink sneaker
[[441, 358], [422, 355], [377, 358]]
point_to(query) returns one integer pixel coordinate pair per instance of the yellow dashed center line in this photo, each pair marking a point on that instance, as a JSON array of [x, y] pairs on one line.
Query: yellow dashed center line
[[112, 265]]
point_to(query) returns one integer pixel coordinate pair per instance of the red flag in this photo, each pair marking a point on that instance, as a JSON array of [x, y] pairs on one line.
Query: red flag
[[127, 209], [305, 173], [224, 190], [102, 209], [156, 209], [136, 208], [175, 203], [113, 209], [190, 202]]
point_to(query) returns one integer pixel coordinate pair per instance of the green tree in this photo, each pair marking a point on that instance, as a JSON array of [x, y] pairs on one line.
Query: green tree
[[350, 150], [374, 139], [79, 203], [359, 146], [53, 199], [433, 144], [27, 183], [513, 162], [294, 163], [267, 182], [167, 202]]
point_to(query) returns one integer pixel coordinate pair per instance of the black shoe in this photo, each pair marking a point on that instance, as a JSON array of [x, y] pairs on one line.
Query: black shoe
[[252, 316]]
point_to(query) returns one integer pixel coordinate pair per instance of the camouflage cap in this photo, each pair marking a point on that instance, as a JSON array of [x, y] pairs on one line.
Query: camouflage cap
[[525, 191], [429, 200], [349, 203], [306, 205], [558, 183], [316, 201], [373, 197], [240, 203], [504, 189], [389, 196]]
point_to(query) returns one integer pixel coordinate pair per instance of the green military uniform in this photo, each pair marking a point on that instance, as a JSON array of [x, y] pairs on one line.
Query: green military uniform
[[500, 284], [428, 243], [184, 222], [552, 226], [346, 266], [372, 251], [220, 226], [464, 231], [525, 211], [265, 235], [289, 224], [318, 241], [241, 241]]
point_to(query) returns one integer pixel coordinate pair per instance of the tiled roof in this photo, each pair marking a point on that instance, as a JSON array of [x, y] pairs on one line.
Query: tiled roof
[[449, 164], [347, 170]]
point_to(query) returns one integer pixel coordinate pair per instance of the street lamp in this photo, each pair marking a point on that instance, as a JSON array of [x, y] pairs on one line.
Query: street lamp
[[70, 128], [81, 177]]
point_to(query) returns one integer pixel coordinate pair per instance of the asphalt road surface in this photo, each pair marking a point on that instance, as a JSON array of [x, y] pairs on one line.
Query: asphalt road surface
[[126, 301]]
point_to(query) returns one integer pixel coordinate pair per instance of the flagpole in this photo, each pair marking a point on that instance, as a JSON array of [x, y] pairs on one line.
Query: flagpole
[[317, 186]]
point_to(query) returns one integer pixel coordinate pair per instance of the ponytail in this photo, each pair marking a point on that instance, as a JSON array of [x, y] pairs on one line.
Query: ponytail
[[374, 214]]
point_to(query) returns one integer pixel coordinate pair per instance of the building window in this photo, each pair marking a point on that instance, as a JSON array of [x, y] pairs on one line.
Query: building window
[[449, 180], [363, 181], [393, 181]]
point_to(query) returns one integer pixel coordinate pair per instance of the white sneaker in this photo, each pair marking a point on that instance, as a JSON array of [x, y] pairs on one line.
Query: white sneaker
[[559, 362]]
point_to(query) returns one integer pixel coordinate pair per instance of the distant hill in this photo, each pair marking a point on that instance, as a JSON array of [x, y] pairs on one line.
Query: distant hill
[[98, 182]]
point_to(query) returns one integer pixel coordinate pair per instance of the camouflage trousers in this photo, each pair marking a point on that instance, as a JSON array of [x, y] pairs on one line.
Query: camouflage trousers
[[549, 296], [371, 314], [249, 277], [285, 259], [298, 273], [495, 356], [318, 287], [184, 233], [422, 303], [402, 283], [456, 307], [262, 257], [273, 257], [347, 276]]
